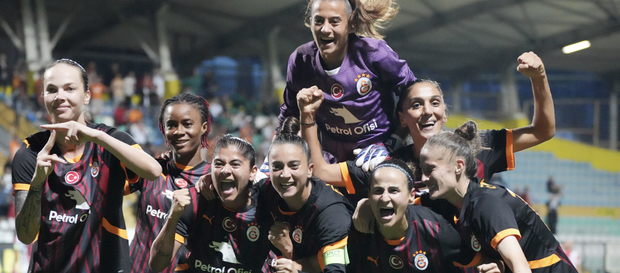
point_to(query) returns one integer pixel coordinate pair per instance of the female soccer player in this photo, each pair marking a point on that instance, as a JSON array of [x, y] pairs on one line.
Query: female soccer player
[[406, 237], [422, 110], [495, 221], [69, 182], [185, 123], [223, 234], [355, 68], [318, 215]]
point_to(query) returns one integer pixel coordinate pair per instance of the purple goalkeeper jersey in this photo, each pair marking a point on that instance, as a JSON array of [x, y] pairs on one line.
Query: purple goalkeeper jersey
[[359, 103]]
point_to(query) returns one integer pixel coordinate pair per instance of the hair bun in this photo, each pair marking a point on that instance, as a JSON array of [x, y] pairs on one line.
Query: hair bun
[[468, 130]]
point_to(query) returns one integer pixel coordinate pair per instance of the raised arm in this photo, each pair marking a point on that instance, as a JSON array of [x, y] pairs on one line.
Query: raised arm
[[309, 100], [28, 203], [542, 127], [165, 247], [136, 160]]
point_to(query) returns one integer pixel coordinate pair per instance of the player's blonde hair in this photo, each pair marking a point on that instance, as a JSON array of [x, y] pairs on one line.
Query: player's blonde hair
[[366, 17]]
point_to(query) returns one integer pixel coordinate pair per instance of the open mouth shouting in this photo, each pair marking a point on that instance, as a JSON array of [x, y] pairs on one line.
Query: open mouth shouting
[[387, 213], [228, 186]]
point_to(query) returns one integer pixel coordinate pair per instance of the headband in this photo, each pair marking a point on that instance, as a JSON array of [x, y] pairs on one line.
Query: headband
[[409, 178]]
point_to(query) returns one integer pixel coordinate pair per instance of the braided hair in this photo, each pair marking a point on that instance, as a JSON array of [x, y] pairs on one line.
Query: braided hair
[[190, 99]]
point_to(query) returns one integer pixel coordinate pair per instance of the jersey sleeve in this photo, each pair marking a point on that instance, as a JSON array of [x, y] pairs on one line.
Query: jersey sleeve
[[333, 227], [392, 69], [497, 154], [289, 106], [355, 179], [24, 164], [126, 138], [494, 224]]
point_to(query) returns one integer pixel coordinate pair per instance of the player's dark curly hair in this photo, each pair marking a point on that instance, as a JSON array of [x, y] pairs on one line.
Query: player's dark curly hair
[[190, 99], [75, 64], [463, 142], [366, 17], [244, 147], [287, 134]]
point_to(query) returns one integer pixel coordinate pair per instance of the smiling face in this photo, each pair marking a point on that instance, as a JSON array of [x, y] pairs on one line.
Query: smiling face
[[290, 174], [389, 198], [423, 111], [64, 93], [183, 130], [439, 172], [231, 173], [330, 29]]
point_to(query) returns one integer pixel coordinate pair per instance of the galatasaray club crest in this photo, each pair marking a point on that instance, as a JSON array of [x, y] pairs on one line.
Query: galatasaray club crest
[[396, 262], [72, 177], [420, 259], [94, 169], [475, 245], [364, 85], [180, 182], [337, 91], [297, 235], [253, 233], [229, 225]]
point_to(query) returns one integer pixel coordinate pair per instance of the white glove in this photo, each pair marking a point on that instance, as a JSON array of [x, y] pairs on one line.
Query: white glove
[[371, 156]]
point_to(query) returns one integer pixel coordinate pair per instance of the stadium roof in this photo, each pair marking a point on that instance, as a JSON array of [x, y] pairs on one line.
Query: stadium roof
[[443, 36]]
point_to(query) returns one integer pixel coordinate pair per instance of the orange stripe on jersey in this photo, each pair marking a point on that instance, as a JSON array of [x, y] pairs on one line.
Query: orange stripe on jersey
[[346, 178], [131, 180], [417, 201], [114, 230], [126, 188], [183, 167], [503, 234], [27, 144], [544, 262], [394, 242], [20, 187], [75, 159], [286, 212], [179, 238], [134, 179], [340, 244], [474, 261], [181, 267], [510, 155]]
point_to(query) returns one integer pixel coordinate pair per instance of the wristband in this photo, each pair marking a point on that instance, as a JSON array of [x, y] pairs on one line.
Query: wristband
[[308, 124]]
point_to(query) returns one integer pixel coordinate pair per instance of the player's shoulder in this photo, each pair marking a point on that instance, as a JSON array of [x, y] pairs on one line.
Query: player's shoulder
[[304, 50], [36, 141], [328, 196]]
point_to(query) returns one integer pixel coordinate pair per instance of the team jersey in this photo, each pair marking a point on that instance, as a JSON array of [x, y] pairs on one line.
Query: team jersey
[[359, 98], [430, 244], [491, 213], [496, 156], [154, 205], [221, 240], [82, 225], [319, 228]]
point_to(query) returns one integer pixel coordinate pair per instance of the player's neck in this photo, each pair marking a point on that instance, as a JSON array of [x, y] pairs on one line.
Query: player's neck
[[395, 232]]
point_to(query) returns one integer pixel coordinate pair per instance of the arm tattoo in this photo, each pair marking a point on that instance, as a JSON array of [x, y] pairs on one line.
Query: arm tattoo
[[20, 199]]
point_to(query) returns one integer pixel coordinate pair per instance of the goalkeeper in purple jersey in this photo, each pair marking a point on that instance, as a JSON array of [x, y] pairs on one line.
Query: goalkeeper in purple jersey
[[358, 72]]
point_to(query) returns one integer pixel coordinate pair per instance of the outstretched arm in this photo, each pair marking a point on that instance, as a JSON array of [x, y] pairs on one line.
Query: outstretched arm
[[542, 127], [136, 160], [309, 100]]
